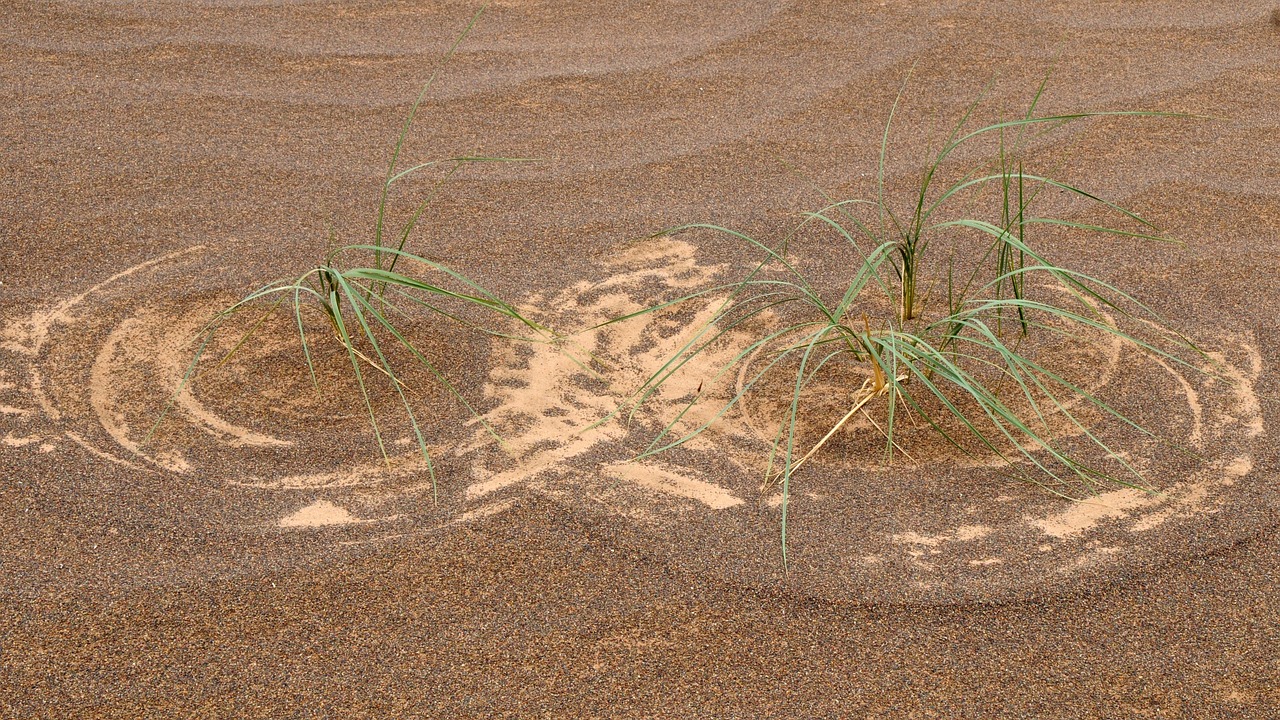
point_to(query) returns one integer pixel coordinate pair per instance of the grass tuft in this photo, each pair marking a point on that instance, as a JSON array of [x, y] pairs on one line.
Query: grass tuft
[[367, 304], [937, 319]]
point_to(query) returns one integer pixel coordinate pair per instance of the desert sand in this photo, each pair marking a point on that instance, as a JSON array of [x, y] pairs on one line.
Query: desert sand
[[256, 557]]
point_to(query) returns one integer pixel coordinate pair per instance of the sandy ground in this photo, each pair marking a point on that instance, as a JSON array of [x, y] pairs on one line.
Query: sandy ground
[[256, 559]]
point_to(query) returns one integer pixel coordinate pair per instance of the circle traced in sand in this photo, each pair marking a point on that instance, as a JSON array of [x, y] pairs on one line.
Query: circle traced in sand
[[933, 526], [102, 366]]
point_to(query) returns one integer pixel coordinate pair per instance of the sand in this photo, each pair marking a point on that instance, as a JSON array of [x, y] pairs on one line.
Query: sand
[[257, 557]]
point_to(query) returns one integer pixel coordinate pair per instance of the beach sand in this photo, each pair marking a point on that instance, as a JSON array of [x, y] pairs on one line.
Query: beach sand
[[256, 557]]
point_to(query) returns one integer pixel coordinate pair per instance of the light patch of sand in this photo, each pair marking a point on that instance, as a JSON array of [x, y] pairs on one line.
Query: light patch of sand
[[556, 393], [1239, 467], [1235, 695], [36, 388], [469, 516], [965, 533], [673, 262], [1192, 501], [320, 513], [1093, 557], [534, 465], [920, 546], [1084, 515], [672, 483], [485, 511], [913, 538]]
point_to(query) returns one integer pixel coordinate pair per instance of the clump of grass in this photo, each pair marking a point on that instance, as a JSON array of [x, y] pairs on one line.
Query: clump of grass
[[366, 305], [948, 342]]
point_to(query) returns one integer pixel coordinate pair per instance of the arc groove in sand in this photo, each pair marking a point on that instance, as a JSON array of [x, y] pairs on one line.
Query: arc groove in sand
[[1195, 437], [1114, 354], [205, 419], [547, 455], [77, 439], [101, 400], [32, 340], [41, 322]]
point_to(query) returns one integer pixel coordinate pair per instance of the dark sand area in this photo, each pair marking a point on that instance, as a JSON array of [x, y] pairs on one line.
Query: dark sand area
[[257, 559]]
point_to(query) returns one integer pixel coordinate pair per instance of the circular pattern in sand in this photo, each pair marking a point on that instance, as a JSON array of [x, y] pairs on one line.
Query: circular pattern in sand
[[103, 368], [933, 526]]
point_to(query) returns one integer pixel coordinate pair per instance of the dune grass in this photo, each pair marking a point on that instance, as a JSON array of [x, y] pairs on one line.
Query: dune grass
[[367, 301], [945, 341]]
